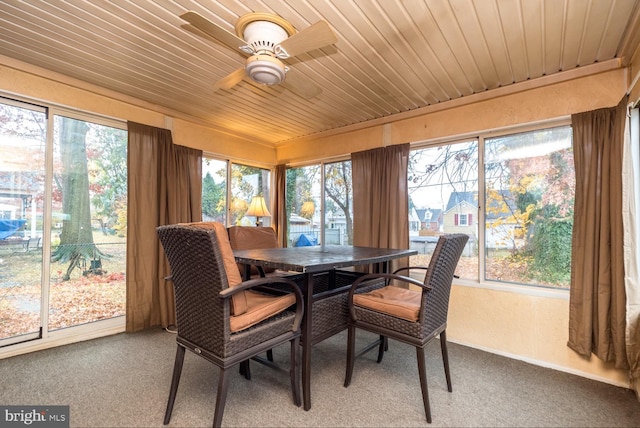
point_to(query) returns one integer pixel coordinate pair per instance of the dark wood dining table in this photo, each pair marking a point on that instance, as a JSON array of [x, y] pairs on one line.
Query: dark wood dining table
[[312, 263]]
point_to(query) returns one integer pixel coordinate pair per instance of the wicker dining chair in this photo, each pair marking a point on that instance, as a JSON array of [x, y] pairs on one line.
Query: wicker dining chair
[[251, 238], [219, 317], [409, 316]]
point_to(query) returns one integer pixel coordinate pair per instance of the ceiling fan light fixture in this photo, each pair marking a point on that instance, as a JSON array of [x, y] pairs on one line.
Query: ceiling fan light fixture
[[265, 69]]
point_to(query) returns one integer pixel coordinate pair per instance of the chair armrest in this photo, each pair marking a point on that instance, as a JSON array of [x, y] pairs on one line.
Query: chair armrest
[[415, 267], [408, 268], [253, 283]]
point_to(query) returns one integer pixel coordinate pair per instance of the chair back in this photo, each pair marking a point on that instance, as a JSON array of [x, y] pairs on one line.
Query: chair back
[[439, 276], [252, 238], [199, 258]]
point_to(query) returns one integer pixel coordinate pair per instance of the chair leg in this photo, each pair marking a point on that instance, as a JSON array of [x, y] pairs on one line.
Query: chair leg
[[270, 355], [294, 371], [175, 380], [245, 369], [422, 371], [445, 359], [351, 349], [384, 345], [221, 397]]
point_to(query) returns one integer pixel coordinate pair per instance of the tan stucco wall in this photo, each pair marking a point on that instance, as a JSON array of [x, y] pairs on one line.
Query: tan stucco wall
[[523, 326], [531, 328], [312, 148]]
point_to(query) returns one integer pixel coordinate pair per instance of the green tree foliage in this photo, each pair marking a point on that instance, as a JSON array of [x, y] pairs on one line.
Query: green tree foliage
[[551, 249], [213, 196], [107, 159]]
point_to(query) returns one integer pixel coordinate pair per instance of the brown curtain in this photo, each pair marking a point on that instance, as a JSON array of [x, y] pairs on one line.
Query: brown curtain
[[165, 186], [597, 297], [380, 198], [279, 219]]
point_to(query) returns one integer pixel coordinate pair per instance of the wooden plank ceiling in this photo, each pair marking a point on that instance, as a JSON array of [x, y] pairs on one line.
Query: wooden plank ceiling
[[392, 56]]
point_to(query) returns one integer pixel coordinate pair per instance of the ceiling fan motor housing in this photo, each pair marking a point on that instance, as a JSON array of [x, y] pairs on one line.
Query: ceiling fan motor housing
[[264, 35]]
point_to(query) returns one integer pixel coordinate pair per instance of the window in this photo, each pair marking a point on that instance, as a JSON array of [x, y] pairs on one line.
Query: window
[[229, 204], [320, 204], [214, 190], [89, 203], [443, 198], [519, 222], [529, 196], [248, 182], [463, 219], [303, 206]]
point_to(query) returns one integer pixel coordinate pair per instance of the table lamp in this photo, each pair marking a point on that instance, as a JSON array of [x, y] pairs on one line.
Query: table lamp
[[258, 208]]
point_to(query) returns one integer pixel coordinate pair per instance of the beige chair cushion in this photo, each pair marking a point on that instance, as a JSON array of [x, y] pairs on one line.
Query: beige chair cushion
[[260, 307], [392, 300], [239, 300], [249, 238]]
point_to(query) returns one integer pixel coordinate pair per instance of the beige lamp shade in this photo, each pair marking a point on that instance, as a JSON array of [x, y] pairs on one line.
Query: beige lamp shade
[[258, 208]]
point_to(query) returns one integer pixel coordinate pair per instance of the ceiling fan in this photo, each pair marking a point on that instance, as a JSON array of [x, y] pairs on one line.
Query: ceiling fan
[[267, 40]]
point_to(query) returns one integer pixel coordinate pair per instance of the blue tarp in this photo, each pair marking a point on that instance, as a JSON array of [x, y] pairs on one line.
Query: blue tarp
[[9, 227], [306, 240]]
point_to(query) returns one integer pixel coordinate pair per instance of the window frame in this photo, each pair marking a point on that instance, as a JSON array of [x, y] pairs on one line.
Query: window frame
[[229, 171], [481, 136], [322, 165]]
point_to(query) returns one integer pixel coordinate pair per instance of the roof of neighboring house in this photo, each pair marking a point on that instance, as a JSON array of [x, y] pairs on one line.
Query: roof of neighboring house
[[435, 214], [456, 198]]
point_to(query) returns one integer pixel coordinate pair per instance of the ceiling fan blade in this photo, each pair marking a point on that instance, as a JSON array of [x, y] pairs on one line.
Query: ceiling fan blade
[[230, 80], [213, 30], [299, 85], [314, 37]]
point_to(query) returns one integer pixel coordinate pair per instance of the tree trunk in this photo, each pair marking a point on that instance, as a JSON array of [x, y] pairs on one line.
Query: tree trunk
[[76, 238]]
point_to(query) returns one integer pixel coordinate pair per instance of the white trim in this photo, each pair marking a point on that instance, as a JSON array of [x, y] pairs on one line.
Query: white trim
[[67, 336], [527, 290]]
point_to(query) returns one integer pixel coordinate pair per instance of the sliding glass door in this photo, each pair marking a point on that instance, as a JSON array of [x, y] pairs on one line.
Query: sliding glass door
[[22, 186], [63, 211], [88, 216]]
